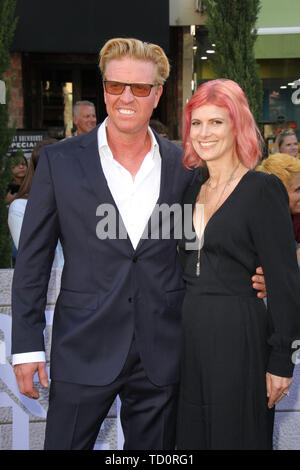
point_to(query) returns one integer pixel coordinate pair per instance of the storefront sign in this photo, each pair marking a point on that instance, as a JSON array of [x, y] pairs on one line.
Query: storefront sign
[[292, 125], [26, 140]]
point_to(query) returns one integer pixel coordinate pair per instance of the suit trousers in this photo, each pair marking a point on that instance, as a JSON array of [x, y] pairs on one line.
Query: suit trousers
[[148, 412]]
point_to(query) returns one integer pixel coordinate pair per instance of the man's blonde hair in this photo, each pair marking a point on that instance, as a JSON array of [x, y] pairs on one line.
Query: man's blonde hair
[[282, 165], [119, 48]]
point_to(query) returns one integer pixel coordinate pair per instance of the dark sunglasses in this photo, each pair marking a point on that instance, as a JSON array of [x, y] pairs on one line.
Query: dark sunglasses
[[137, 89]]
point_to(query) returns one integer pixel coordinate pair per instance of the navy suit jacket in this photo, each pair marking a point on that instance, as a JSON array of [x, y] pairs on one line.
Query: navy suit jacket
[[109, 291]]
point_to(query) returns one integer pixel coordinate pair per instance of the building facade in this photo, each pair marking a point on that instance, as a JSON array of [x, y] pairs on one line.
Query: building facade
[[277, 52], [54, 55], [54, 59]]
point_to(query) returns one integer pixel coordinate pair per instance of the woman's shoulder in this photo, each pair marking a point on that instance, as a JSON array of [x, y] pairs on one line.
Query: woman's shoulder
[[260, 177], [263, 179], [267, 185]]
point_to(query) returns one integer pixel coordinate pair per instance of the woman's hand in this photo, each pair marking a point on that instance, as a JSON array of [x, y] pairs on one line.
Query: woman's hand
[[277, 388]]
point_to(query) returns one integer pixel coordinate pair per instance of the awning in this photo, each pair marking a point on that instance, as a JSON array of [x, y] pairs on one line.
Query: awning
[[76, 26], [277, 43]]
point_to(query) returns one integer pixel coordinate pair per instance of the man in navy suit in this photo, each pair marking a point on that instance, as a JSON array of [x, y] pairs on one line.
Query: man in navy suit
[[117, 319], [116, 325]]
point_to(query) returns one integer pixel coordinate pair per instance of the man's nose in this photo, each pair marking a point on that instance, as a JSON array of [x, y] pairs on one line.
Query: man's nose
[[127, 94]]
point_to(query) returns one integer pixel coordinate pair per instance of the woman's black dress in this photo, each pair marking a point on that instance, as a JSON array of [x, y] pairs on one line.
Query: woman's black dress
[[230, 339]]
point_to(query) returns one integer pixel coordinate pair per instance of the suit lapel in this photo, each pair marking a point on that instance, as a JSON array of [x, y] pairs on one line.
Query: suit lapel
[[166, 185], [167, 171], [89, 159], [90, 162]]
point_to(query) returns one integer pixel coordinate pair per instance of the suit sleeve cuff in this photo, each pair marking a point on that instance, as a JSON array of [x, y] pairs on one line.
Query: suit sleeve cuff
[[281, 364], [22, 358]]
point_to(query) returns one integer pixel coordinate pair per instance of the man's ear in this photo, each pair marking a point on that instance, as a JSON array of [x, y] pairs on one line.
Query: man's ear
[[158, 94]]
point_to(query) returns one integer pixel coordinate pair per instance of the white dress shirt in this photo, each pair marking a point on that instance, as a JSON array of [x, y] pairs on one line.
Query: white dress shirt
[[135, 199]]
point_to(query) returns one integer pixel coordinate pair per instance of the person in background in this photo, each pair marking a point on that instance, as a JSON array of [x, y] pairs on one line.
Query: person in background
[[19, 169], [84, 117], [287, 168], [286, 142], [18, 205]]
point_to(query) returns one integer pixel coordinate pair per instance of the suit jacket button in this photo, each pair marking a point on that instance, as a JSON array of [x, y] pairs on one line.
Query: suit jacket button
[[134, 260], [130, 300]]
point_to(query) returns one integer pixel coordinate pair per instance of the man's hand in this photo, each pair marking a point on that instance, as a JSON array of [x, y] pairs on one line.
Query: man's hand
[[258, 283], [25, 373]]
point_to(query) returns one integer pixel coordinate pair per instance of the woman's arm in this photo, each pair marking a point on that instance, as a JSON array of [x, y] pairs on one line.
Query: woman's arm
[[273, 237]]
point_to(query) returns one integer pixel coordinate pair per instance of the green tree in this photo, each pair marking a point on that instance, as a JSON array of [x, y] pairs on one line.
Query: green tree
[[231, 27], [7, 28]]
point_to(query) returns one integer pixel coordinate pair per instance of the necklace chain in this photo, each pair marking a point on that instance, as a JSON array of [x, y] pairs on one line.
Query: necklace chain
[[217, 185], [227, 182], [200, 242]]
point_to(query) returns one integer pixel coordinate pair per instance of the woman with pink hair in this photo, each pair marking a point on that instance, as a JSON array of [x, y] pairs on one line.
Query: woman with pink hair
[[236, 352]]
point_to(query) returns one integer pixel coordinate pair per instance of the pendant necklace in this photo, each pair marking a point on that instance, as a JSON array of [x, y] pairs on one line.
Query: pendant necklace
[[201, 219]]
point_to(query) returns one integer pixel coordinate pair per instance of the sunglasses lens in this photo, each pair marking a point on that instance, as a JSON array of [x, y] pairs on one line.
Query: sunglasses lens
[[114, 88], [140, 89], [137, 89]]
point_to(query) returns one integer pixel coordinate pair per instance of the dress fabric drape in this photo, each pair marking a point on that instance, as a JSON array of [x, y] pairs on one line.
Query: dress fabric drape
[[230, 338]]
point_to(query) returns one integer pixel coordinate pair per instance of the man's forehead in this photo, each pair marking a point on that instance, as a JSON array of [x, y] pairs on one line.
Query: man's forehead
[[125, 67], [86, 109]]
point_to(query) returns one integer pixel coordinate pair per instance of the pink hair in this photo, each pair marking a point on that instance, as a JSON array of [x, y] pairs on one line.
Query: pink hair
[[226, 94]]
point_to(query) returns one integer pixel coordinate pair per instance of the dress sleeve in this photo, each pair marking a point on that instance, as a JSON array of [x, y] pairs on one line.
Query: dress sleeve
[[273, 237]]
